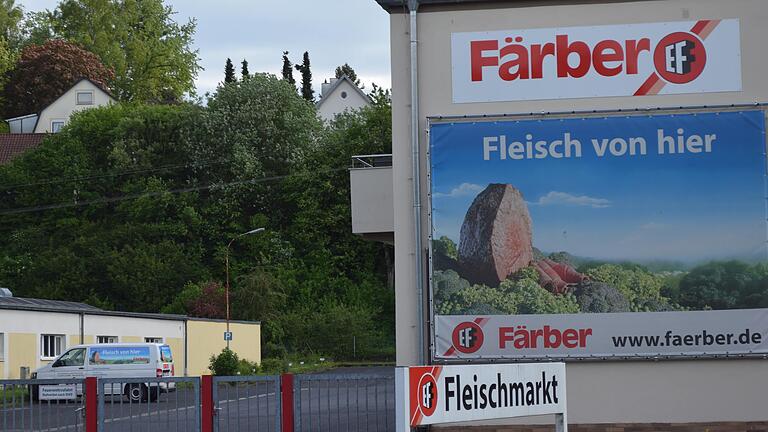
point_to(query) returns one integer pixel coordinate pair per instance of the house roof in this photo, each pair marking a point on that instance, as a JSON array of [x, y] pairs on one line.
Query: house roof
[[43, 305], [402, 5], [13, 145], [336, 85]]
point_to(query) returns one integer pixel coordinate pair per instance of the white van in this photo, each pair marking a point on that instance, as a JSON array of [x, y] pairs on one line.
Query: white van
[[115, 360]]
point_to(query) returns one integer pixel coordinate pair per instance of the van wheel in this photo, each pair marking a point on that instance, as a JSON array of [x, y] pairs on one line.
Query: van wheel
[[136, 393]]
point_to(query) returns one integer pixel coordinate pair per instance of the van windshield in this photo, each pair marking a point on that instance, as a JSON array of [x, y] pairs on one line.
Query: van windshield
[[165, 354]]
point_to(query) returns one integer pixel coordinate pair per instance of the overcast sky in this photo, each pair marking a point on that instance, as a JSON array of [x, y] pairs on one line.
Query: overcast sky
[[334, 32]]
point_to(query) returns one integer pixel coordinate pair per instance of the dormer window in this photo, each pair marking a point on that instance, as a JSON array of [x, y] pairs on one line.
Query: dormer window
[[56, 125], [85, 98]]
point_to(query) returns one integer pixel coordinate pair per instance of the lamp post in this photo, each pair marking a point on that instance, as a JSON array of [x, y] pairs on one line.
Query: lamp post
[[254, 231]]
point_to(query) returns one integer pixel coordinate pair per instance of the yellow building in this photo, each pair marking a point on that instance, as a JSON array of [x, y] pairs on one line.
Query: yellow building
[[34, 331]]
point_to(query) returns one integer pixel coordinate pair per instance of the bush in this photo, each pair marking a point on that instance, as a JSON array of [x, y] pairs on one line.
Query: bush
[[225, 364], [598, 297], [245, 367]]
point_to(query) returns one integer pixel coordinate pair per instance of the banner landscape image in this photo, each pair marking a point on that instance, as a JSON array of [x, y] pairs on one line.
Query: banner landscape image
[[661, 213]]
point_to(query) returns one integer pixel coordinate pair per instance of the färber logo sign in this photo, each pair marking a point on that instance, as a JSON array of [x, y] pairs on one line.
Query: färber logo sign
[[627, 60]]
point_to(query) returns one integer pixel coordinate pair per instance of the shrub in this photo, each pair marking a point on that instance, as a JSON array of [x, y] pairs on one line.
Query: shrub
[[225, 364]]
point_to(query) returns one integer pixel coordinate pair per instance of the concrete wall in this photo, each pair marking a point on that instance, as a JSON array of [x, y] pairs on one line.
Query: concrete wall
[[335, 103], [64, 106], [206, 338], [598, 392]]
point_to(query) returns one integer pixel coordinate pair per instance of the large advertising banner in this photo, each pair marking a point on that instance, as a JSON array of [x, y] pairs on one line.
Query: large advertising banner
[[597, 61], [118, 355], [644, 218]]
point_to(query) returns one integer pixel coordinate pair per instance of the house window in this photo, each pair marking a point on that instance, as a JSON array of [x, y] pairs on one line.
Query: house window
[[85, 98], [2, 347], [51, 346], [153, 340], [343, 95], [106, 339], [56, 125]]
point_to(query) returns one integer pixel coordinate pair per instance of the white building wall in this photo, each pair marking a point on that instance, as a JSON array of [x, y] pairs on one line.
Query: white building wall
[[599, 392], [101, 325], [66, 105], [334, 103]]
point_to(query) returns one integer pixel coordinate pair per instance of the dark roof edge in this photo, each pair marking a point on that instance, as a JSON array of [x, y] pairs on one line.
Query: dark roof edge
[[402, 5], [166, 317]]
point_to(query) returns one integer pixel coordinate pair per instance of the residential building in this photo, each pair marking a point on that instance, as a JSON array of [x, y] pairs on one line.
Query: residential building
[[340, 95]]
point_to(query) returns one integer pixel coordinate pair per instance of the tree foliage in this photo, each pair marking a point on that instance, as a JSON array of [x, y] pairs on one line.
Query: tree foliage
[[244, 72], [346, 70], [131, 207], [229, 72], [288, 69], [725, 285], [150, 53], [306, 78], [11, 16], [45, 72]]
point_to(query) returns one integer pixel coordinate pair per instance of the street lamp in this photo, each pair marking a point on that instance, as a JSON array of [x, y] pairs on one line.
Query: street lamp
[[253, 231]]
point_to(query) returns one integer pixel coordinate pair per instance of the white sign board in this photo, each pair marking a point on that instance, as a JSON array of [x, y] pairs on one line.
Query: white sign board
[[597, 61], [606, 335], [58, 392], [447, 394]]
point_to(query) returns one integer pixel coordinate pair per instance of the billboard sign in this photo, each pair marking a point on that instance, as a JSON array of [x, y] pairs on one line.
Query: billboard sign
[[606, 335], [584, 233], [446, 394], [596, 61]]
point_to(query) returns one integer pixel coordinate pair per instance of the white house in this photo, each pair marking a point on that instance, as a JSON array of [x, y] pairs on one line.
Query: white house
[[339, 95], [82, 95]]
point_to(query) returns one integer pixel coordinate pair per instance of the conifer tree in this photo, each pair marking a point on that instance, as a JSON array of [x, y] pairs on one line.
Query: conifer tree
[[288, 69], [306, 79], [245, 73], [229, 72]]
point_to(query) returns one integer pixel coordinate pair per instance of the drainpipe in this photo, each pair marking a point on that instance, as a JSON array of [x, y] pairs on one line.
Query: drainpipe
[[413, 5], [82, 328]]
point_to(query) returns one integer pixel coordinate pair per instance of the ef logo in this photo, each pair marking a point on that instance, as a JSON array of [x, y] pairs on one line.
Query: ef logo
[[468, 337], [680, 58]]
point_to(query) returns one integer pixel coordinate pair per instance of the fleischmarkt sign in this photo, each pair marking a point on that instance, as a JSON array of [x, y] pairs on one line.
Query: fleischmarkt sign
[[448, 394]]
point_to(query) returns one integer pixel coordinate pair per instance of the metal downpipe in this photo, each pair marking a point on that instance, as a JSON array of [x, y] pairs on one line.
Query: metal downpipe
[[413, 5]]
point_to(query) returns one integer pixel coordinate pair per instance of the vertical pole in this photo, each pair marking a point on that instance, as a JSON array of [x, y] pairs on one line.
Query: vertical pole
[[226, 259], [91, 404], [206, 400], [561, 422], [402, 422], [286, 402]]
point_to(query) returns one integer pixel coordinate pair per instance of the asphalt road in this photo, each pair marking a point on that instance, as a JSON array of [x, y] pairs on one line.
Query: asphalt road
[[331, 401]]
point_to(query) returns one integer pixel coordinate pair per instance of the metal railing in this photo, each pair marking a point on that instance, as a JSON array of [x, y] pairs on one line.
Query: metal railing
[[149, 404], [344, 402], [372, 161], [247, 403], [60, 407]]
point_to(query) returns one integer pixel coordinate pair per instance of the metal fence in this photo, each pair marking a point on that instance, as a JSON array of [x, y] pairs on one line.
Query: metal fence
[[248, 403], [344, 402], [149, 404], [23, 409]]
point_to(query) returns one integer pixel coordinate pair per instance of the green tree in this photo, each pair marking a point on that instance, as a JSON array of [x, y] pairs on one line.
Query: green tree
[[288, 69], [229, 72], [11, 16], [306, 78], [724, 285], [150, 53], [45, 72], [244, 71], [346, 71]]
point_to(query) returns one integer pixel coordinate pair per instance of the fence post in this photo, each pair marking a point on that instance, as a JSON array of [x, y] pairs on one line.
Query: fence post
[[91, 404], [286, 402], [206, 400]]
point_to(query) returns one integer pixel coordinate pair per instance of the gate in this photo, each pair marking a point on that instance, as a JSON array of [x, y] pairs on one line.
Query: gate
[[42, 405], [344, 402], [247, 403], [149, 404]]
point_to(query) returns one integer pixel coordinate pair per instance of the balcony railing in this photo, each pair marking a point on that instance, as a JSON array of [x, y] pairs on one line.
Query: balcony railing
[[371, 161]]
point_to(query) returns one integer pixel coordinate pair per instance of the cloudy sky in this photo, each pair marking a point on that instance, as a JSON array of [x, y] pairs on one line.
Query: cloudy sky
[[334, 32]]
